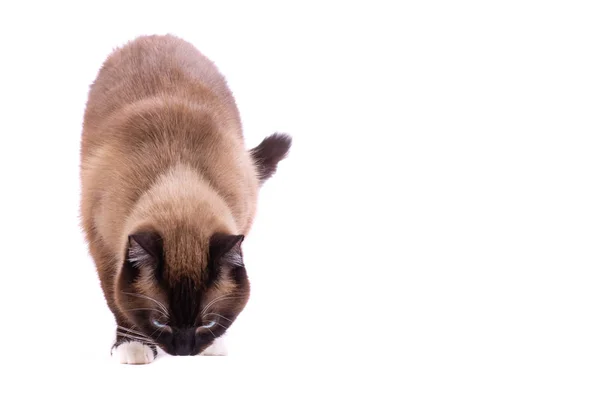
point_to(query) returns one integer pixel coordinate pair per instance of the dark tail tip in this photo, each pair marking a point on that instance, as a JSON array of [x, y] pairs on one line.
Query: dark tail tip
[[269, 152]]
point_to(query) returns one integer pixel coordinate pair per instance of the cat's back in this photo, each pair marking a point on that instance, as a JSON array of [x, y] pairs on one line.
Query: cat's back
[[153, 67], [157, 104]]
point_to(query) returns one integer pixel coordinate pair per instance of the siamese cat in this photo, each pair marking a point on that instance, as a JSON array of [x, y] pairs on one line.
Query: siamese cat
[[169, 192]]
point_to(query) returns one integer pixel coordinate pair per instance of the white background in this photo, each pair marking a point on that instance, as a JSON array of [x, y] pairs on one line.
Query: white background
[[433, 234]]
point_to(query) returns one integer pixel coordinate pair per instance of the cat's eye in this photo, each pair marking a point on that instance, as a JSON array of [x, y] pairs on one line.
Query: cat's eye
[[209, 324], [158, 324]]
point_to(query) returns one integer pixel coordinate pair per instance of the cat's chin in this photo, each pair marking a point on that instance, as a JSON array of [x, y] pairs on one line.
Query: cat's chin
[[136, 353], [133, 353]]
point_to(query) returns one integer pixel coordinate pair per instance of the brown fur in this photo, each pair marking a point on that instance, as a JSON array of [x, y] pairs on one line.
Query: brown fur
[[162, 151]]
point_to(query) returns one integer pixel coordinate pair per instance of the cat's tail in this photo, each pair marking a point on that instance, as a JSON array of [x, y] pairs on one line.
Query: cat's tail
[[269, 152]]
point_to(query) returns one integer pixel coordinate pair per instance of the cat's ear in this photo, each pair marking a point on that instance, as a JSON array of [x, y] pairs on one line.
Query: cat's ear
[[269, 152], [144, 249], [227, 249]]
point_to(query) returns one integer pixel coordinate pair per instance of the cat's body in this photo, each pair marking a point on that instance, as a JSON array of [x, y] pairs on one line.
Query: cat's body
[[168, 193]]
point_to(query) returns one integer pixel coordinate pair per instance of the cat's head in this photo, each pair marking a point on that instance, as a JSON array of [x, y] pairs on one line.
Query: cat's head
[[181, 300]]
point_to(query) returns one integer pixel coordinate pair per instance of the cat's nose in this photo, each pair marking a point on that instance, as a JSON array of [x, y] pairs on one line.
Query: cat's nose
[[184, 343]]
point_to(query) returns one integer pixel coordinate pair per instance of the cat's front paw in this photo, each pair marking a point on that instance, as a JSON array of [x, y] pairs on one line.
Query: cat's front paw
[[133, 353], [217, 348]]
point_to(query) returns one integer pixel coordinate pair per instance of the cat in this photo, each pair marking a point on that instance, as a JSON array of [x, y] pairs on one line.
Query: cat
[[168, 194]]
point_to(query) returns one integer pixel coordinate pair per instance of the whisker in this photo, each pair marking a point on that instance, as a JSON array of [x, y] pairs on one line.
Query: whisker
[[160, 332], [125, 334], [148, 309], [140, 338], [138, 341], [161, 305], [218, 315], [212, 302], [136, 338], [130, 330], [222, 326], [220, 298]]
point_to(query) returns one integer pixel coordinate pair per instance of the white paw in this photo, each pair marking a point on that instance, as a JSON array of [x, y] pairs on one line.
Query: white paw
[[217, 348], [133, 353]]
